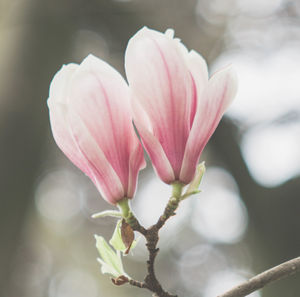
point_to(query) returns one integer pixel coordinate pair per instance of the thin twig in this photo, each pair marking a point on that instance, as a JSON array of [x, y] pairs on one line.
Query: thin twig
[[151, 280], [168, 212], [138, 284], [151, 235], [259, 281]]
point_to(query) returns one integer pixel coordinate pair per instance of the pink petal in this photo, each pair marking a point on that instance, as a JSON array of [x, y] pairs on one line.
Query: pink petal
[[64, 138], [198, 69], [73, 138], [151, 144], [199, 72], [101, 171], [91, 120], [212, 103], [136, 163], [157, 73], [100, 97], [59, 87], [57, 110]]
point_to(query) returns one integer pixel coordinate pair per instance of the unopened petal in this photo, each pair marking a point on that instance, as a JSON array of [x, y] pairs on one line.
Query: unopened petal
[[157, 155], [60, 84], [64, 138], [198, 67], [101, 171], [91, 121], [100, 98], [212, 104], [58, 95], [136, 163], [151, 144], [199, 73], [158, 76]]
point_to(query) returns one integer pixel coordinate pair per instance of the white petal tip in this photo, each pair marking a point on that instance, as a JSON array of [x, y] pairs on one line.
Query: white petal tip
[[90, 58], [170, 33]]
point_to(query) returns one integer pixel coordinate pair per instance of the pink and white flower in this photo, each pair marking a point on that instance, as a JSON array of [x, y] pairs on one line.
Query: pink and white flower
[[91, 121], [176, 108]]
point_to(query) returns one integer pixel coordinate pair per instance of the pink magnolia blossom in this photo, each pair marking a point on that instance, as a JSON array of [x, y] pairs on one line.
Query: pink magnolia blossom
[[176, 108], [91, 122]]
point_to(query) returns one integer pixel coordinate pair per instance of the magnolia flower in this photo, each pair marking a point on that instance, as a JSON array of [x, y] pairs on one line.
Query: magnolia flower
[[91, 122], [176, 108]]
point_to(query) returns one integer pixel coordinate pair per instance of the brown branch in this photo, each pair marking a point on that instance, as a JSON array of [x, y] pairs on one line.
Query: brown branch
[[151, 235], [259, 281], [135, 225], [138, 284], [151, 280], [168, 212]]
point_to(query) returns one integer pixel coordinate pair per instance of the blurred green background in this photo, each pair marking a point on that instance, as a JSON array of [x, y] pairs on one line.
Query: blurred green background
[[244, 221]]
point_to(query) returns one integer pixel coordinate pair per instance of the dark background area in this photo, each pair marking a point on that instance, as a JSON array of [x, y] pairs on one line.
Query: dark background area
[[247, 217]]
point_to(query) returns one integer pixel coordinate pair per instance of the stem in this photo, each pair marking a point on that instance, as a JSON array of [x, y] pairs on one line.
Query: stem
[[138, 284], [129, 216], [172, 204], [124, 207], [151, 234], [259, 281], [177, 189]]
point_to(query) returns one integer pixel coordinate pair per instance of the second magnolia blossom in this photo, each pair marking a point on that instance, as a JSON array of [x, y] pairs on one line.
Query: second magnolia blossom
[[91, 122], [176, 108]]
